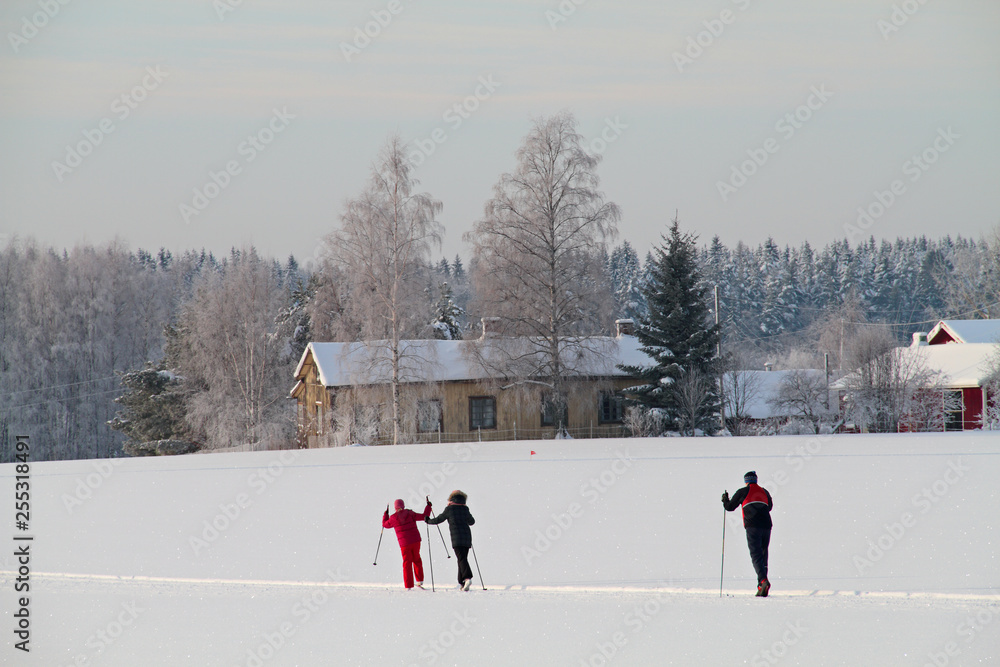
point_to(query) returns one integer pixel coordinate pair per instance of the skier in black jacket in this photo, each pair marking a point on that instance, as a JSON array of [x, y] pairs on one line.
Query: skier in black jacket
[[757, 504], [459, 519]]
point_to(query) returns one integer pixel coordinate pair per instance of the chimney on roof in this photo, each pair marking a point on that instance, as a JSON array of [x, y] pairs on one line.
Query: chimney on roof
[[919, 339], [624, 328], [491, 327]]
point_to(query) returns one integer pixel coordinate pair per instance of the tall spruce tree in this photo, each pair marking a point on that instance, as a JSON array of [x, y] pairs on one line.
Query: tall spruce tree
[[679, 338]]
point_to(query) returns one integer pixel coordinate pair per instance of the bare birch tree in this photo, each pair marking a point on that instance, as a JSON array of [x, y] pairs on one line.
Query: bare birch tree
[[802, 394], [886, 381], [383, 247], [538, 259], [233, 357], [740, 388]]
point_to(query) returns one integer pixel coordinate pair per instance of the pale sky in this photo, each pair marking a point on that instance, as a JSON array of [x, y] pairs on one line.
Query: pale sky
[[113, 112]]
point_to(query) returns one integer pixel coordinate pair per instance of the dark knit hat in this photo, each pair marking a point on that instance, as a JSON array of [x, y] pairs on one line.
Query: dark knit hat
[[399, 504], [457, 497], [750, 478]]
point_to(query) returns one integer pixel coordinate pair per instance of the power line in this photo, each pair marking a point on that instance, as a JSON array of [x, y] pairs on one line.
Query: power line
[[59, 400], [935, 320], [58, 386]]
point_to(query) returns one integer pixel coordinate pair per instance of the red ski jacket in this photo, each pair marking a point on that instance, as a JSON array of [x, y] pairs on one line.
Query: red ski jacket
[[405, 523], [756, 503]]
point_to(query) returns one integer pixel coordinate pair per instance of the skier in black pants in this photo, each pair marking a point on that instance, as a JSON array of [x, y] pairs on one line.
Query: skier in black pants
[[757, 504], [459, 519]]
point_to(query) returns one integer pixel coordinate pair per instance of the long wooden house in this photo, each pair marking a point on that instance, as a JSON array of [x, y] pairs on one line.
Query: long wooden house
[[456, 390]]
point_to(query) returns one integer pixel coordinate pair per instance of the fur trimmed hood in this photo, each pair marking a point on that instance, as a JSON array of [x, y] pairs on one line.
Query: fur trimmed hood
[[457, 497]]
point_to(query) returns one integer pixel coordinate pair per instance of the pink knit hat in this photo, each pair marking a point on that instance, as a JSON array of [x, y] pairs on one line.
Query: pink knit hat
[[399, 504]]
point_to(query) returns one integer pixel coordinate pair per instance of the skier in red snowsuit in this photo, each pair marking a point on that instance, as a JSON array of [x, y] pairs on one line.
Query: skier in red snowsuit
[[408, 534], [756, 503]]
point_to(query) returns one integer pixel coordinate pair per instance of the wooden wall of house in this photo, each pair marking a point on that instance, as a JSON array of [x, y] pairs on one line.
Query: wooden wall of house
[[972, 402], [313, 407], [518, 410]]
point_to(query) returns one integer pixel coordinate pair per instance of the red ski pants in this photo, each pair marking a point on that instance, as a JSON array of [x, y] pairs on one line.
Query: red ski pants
[[412, 565]]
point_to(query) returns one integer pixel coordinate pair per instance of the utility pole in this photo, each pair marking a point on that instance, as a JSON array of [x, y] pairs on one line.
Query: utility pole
[[841, 344], [826, 369]]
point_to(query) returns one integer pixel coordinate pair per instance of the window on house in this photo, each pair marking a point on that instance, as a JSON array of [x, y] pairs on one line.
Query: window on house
[[549, 410], [953, 409], [482, 412], [429, 416], [609, 408]]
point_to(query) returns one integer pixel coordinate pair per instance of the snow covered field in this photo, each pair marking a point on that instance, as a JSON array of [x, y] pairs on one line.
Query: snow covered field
[[884, 552]]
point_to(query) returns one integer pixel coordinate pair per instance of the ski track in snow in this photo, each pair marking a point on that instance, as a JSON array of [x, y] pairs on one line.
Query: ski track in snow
[[99, 580], [632, 579]]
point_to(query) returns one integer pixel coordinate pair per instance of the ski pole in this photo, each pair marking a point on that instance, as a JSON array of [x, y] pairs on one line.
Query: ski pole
[[443, 543], [375, 562], [430, 555], [723, 569], [477, 568]]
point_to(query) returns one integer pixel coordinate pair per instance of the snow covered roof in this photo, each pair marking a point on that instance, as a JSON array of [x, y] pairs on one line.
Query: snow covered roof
[[363, 363], [965, 331], [959, 365], [767, 385]]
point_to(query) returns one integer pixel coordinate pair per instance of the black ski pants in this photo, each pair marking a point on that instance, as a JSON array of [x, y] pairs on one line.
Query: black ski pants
[[758, 539], [464, 571]]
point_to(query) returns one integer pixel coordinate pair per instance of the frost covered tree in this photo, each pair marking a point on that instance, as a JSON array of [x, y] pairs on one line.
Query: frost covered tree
[[231, 355], [802, 394], [886, 381], [625, 276], [382, 248], [152, 407], [740, 388], [537, 258], [679, 338], [447, 316], [990, 418]]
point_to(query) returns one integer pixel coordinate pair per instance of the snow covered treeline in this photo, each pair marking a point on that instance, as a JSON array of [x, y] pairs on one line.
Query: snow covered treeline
[[776, 297], [73, 321]]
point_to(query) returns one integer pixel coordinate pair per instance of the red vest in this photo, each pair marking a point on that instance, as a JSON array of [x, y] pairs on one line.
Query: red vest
[[755, 494]]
